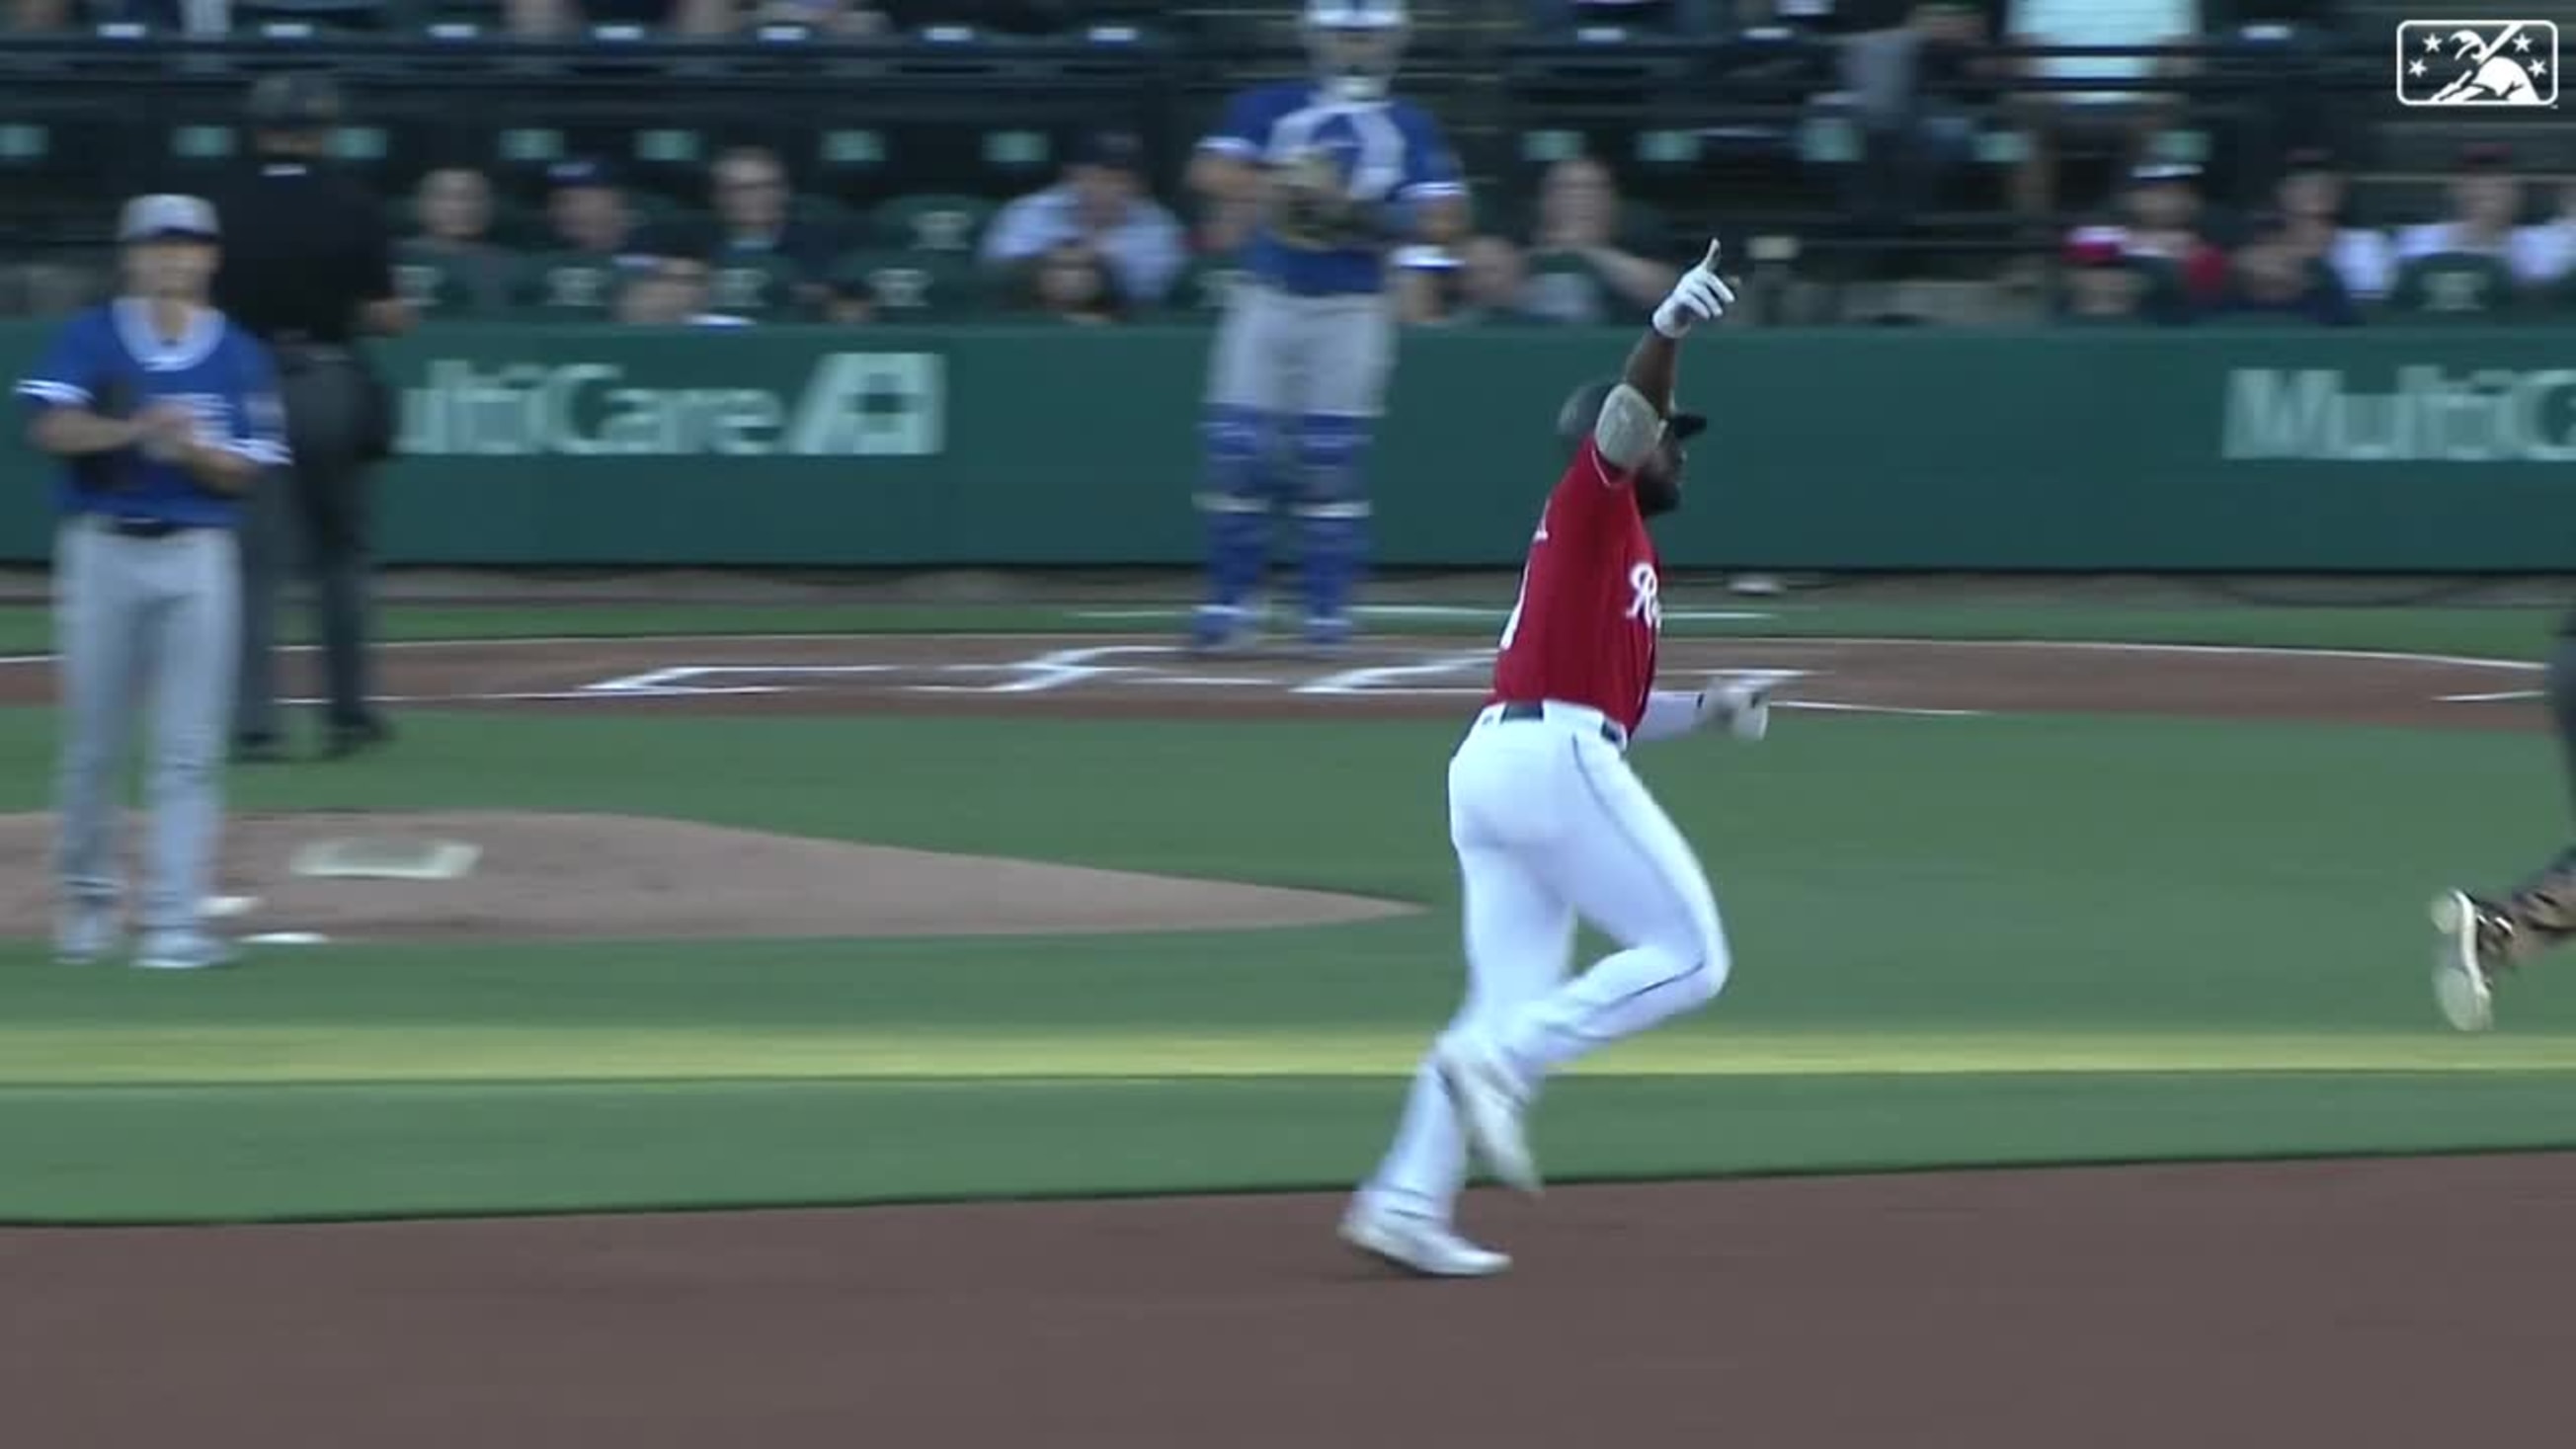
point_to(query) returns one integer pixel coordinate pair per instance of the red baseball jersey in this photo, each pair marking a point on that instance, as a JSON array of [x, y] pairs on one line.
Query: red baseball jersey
[[1585, 626]]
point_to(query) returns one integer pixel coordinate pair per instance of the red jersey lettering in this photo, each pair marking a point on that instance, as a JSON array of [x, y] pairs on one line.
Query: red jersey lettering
[[1590, 609]]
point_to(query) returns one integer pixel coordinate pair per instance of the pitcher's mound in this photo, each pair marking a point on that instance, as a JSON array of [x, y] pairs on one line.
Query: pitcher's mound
[[639, 877]]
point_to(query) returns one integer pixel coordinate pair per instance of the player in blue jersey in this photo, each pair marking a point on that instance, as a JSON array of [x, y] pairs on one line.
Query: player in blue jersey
[[1334, 172], [163, 415]]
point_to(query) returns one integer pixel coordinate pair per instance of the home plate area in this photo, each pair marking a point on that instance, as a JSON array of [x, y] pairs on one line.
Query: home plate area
[[1151, 676]]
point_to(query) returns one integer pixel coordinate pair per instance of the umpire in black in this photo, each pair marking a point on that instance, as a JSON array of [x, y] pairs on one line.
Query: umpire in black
[[308, 266]]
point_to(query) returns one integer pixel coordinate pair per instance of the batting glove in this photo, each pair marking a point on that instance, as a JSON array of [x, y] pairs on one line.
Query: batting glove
[[1743, 706], [1700, 296]]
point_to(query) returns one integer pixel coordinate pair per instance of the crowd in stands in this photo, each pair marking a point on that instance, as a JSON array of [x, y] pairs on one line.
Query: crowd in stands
[[1096, 247], [1092, 247], [2500, 253], [1918, 80], [552, 19]]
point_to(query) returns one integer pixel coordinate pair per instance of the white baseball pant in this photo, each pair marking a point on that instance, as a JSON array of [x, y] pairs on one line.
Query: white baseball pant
[[1550, 823]]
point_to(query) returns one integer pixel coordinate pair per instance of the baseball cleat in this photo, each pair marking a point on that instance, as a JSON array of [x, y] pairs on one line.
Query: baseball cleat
[[1326, 633], [1418, 1244], [2475, 938], [184, 951], [1491, 1101], [1222, 629]]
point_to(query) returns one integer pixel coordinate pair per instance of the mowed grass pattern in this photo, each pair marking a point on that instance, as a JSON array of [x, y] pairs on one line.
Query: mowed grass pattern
[[1955, 940]]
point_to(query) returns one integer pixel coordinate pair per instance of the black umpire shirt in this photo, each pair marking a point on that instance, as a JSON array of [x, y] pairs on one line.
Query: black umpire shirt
[[305, 246]]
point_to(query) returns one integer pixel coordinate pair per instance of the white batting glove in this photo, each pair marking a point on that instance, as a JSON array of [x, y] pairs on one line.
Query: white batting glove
[[1743, 706], [1700, 296]]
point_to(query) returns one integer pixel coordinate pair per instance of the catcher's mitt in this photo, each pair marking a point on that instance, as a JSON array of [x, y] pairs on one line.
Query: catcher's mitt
[[1309, 207]]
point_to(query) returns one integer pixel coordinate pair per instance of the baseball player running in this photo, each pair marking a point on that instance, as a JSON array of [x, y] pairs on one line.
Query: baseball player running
[[1334, 172], [163, 415], [1549, 823], [2485, 935]]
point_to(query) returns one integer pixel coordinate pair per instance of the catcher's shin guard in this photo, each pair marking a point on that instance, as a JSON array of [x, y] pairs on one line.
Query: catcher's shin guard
[[1238, 519], [1332, 516]]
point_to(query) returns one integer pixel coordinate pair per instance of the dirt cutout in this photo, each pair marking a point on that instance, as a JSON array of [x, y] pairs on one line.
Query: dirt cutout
[[553, 876]]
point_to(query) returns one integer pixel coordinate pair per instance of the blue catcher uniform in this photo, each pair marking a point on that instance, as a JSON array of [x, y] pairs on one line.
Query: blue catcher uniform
[[1303, 354], [146, 587]]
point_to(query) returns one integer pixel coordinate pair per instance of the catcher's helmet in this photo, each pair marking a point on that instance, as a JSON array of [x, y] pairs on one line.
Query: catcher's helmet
[[293, 101], [1574, 421], [1355, 45]]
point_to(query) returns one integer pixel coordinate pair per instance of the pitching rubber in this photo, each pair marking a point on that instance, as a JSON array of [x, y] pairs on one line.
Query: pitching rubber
[[2459, 987]]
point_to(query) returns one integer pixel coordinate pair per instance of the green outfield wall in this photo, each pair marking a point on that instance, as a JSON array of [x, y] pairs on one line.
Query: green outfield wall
[[2216, 448]]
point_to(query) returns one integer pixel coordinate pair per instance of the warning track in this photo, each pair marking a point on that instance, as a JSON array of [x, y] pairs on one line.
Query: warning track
[[1148, 676]]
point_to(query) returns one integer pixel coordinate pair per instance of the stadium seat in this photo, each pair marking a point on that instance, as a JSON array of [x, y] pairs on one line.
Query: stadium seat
[[2454, 287], [912, 286], [565, 287], [933, 222], [670, 159], [848, 161], [759, 287]]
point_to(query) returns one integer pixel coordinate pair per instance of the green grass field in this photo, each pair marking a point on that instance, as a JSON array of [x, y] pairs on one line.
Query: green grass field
[[1997, 940]]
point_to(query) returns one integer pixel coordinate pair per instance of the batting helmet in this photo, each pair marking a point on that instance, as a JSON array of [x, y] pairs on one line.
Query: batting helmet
[[1574, 421], [293, 101]]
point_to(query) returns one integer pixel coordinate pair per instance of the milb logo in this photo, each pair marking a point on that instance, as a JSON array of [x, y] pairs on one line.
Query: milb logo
[[2477, 63]]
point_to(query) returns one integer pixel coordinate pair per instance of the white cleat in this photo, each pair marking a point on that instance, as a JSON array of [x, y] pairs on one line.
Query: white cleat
[[2462, 985], [1418, 1244], [1491, 1101], [184, 951]]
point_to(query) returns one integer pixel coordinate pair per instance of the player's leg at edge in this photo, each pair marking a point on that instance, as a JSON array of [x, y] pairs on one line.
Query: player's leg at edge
[[1236, 502], [2483, 937]]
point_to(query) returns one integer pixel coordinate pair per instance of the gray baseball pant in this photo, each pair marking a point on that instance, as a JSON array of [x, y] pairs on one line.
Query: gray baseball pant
[[143, 622]]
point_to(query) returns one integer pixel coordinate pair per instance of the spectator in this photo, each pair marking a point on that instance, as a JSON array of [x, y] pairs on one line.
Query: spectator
[[2312, 199], [766, 261], [2275, 277], [549, 19], [1076, 283], [1579, 271], [2164, 226], [451, 268], [1486, 282], [596, 250], [1904, 85], [1102, 204], [2549, 249], [2125, 117], [2106, 286], [2486, 197], [673, 292]]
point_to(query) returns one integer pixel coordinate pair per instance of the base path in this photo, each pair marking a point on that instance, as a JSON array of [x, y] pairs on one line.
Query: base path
[[1144, 676], [2328, 1304]]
